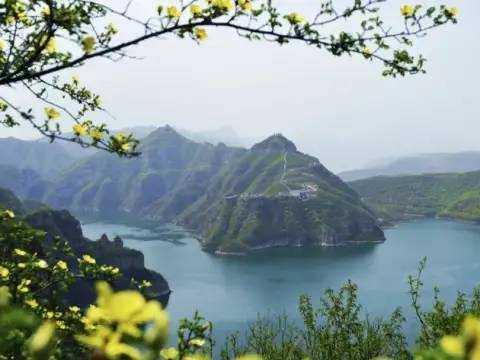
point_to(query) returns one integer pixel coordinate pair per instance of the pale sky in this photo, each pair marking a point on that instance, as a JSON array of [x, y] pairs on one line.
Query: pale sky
[[340, 110]]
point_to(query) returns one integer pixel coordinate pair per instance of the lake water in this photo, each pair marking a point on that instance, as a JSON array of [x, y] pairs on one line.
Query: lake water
[[232, 291]]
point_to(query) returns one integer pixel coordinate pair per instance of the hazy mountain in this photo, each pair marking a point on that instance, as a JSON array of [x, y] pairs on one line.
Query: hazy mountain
[[420, 164], [26, 183], [406, 197], [238, 199], [46, 159]]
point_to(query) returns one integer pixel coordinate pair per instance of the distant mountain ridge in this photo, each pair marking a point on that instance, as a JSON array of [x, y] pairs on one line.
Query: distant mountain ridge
[[44, 158], [435, 163], [237, 199], [395, 198]]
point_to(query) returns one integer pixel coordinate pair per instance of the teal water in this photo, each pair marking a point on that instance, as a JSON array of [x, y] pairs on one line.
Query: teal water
[[232, 291]]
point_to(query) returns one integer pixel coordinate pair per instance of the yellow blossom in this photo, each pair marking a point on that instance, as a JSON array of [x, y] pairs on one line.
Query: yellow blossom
[[453, 11], [200, 33], [3, 44], [295, 18], [146, 283], [42, 264], [45, 11], [88, 44], [245, 5], [126, 310], [88, 259], [42, 337], [96, 135], [407, 10], [169, 353], [62, 265], [222, 5], [197, 342], [366, 52], [4, 272], [60, 324], [22, 265], [49, 314], [471, 327], [23, 286], [112, 29], [74, 309], [52, 113], [20, 252], [173, 12], [80, 129], [453, 345], [125, 147], [9, 214], [196, 10], [32, 303], [115, 270], [51, 46]]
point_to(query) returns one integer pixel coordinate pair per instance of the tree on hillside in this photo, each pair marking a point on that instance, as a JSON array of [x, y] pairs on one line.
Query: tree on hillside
[[40, 38]]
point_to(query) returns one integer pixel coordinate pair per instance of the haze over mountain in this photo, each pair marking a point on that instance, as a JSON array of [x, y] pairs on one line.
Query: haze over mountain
[[420, 164]]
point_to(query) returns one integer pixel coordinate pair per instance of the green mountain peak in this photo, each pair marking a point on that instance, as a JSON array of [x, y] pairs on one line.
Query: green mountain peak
[[275, 142]]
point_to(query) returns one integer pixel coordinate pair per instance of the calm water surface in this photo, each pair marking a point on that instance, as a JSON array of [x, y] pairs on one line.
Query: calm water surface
[[232, 291]]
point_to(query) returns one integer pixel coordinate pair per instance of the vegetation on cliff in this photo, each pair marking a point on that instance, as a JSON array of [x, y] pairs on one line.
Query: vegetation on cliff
[[57, 226], [406, 197]]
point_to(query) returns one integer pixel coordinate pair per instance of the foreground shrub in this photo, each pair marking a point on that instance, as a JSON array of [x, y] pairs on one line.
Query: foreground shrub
[[335, 330]]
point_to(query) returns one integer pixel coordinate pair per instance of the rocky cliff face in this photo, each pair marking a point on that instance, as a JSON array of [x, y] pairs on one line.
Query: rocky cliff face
[[60, 223]]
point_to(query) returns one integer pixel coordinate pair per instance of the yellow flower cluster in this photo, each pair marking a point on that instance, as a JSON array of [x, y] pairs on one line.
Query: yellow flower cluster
[[407, 10], [88, 259], [200, 33], [173, 12], [62, 265], [295, 18], [52, 113], [366, 52], [467, 344], [9, 214], [88, 44], [4, 272], [42, 337], [196, 10], [122, 315], [221, 5], [23, 287], [51, 47], [80, 129], [452, 12], [120, 140], [245, 5], [110, 269]]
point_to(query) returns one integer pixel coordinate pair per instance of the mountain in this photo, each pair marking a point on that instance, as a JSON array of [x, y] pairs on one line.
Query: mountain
[[60, 223], [46, 159], [406, 197], [237, 199], [26, 183], [420, 164]]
